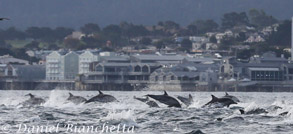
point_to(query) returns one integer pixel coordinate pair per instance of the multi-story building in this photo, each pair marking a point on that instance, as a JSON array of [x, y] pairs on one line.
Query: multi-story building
[[186, 76], [85, 59], [62, 66]]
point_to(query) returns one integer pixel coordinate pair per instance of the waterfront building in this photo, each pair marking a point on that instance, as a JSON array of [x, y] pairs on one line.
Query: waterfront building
[[7, 59], [85, 59], [186, 76], [62, 66]]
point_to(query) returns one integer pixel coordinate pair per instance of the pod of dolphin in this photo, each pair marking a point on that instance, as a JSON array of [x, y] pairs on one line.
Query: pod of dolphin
[[215, 102]]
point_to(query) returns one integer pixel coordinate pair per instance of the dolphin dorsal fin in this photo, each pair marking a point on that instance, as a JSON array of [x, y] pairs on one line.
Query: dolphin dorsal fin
[[214, 97], [165, 93], [226, 94], [190, 97], [70, 94], [241, 111], [100, 92], [31, 96]]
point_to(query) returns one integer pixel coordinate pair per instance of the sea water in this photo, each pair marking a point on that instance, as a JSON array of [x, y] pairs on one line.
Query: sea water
[[128, 115]]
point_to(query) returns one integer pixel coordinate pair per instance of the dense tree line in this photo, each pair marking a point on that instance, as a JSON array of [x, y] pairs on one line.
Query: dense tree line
[[124, 34]]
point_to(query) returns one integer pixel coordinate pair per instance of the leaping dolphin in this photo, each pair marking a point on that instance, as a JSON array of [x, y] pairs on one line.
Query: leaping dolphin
[[147, 101], [187, 101], [33, 101], [231, 97], [76, 99], [220, 102], [166, 99], [141, 99], [254, 111], [103, 98]]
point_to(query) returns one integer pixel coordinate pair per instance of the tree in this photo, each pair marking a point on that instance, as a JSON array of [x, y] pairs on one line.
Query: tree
[[171, 25], [245, 54], [33, 45], [230, 20], [145, 41], [41, 33], [3, 44], [281, 37], [90, 28], [160, 44], [5, 51], [12, 33], [74, 44], [213, 39], [20, 53], [226, 43], [130, 30], [186, 45], [95, 41], [61, 32], [260, 19], [241, 37], [113, 34], [53, 46], [204, 26], [192, 29]]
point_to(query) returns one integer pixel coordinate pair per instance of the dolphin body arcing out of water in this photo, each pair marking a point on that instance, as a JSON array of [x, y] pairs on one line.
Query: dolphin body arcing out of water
[[166, 99], [76, 99], [220, 102], [263, 111], [103, 98], [187, 101], [231, 97], [147, 101], [33, 101], [254, 111]]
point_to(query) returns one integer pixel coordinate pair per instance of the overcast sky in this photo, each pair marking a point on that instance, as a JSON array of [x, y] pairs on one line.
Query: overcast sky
[[75, 13]]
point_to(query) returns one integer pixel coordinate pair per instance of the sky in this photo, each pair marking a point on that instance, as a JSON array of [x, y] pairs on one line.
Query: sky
[[75, 13]]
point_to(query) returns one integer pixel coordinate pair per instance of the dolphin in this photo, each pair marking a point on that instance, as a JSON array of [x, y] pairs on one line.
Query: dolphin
[[76, 99], [187, 101], [254, 111], [147, 101], [166, 99], [231, 97], [103, 98], [272, 108], [141, 99], [284, 113], [33, 101], [220, 102]]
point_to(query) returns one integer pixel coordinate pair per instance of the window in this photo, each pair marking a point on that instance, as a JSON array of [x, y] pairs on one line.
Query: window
[[156, 78], [290, 70], [99, 68], [137, 68], [145, 68], [222, 69], [172, 77]]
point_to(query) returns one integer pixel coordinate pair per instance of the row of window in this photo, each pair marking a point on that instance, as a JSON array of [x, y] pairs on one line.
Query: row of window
[[123, 69]]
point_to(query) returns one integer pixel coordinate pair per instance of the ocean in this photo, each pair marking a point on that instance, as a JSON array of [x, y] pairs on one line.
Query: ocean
[[59, 116]]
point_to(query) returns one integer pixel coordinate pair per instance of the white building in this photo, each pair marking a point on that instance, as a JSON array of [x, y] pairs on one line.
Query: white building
[[61, 66], [85, 59], [256, 38]]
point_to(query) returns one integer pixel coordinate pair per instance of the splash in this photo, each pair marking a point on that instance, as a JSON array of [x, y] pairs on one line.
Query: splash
[[58, 99], [124, 117]]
